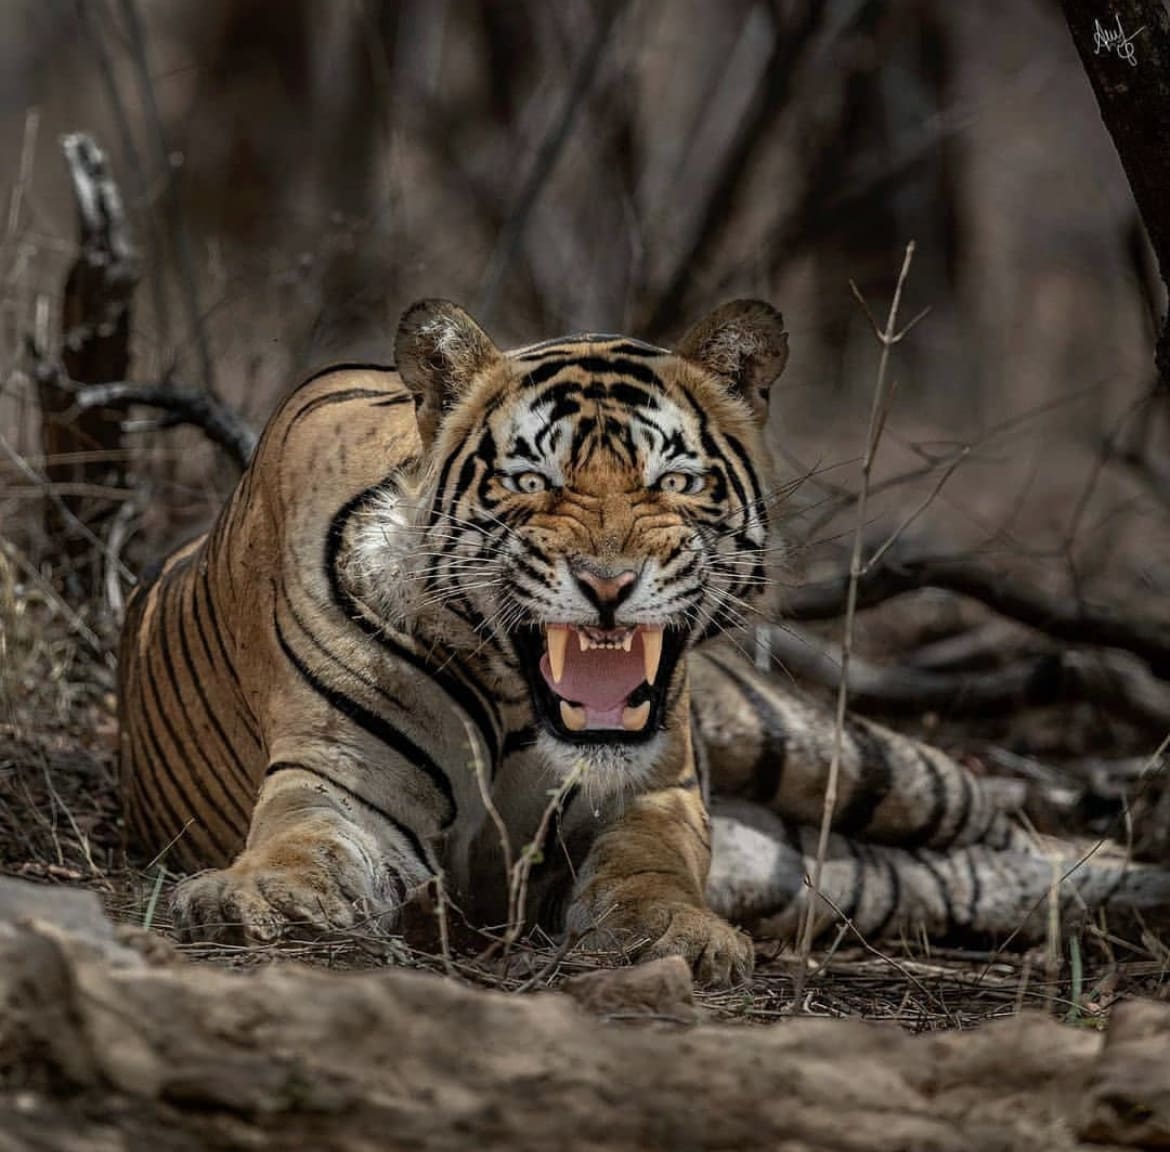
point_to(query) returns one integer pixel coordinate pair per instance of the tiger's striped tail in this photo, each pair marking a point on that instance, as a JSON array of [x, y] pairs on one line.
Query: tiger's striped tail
[[766, 743], [974, 894]]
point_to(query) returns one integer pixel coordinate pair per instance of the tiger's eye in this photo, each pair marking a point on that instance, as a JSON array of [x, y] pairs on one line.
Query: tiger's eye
[[680, 483], [530, 482]]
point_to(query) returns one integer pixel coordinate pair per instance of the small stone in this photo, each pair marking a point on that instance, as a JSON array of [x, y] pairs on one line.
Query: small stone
[[657, 988]]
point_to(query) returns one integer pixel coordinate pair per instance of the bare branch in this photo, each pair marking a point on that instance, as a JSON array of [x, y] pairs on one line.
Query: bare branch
[[1111, 678], [222, 426], [95, 347], [789, 45], [546, 158], [180, 234], [87, 14], [1075, 621]]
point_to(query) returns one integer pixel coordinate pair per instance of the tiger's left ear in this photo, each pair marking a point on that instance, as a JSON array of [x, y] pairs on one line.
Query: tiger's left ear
[[745, 345], [439, 352]]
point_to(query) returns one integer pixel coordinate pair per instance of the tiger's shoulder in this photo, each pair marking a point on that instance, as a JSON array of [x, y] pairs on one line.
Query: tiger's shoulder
[[338, 410]]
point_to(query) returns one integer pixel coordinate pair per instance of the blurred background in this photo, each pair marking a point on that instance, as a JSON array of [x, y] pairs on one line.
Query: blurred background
[[296, 173]]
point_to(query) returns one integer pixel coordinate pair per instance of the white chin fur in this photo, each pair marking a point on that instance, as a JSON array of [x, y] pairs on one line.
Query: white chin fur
[[610, 769]]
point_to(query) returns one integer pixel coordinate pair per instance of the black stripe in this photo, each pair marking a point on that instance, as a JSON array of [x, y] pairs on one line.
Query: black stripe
[[745, 460], [518, 740], [374, 724], [544, 372], [144, 773], [628, 347], [347, 366], [944, 889], [243, 714], [713, 450], [895, 889], [966, 810], [192, 778], [929, 828], [593, 365], [618, 366], [213, 623], [159, 801], [407, 833], [768, 770], [167, 592], [857, 888], [341, 397], [874, 781], [631, 396], [164, 773], [566, 345], [472, 697], [198, 682], [976, 887]]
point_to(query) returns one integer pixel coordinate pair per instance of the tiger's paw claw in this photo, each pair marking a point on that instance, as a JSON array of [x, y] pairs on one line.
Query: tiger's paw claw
[[249, 905]]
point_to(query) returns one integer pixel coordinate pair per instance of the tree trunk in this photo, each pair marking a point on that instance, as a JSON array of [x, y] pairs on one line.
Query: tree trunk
[[1125, 49]]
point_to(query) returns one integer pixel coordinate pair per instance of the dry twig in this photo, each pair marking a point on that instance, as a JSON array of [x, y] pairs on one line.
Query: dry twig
[[882, 396]]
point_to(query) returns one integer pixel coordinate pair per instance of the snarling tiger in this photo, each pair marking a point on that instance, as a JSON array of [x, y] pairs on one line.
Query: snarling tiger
[[441, 592]]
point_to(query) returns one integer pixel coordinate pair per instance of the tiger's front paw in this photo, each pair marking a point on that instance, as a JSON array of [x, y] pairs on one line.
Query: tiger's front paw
[[260, 899], [719, 955]]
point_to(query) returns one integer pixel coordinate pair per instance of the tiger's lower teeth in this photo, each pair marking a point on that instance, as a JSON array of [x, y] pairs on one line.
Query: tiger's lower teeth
[[573, 717], [634, 719]]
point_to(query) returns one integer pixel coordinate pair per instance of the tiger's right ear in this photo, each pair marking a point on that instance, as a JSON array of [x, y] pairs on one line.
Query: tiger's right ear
[[439, 352]]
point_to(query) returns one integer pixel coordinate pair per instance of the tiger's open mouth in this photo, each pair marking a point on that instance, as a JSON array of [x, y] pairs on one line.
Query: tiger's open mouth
[[600, 685]]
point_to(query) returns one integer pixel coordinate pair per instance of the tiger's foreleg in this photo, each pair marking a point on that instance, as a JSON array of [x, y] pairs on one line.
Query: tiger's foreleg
[[317, 858], [643, 883]]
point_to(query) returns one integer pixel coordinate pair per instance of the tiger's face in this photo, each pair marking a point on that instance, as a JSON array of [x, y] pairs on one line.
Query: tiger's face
[[598, 505]]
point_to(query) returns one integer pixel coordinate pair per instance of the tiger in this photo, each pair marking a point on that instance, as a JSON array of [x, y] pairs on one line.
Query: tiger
[[476, 611]]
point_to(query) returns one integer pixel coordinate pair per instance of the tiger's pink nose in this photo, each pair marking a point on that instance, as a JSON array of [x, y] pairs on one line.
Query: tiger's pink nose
[[604, 587]]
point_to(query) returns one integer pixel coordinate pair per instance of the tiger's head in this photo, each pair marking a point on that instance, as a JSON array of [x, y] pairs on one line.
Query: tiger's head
[[594, 506]]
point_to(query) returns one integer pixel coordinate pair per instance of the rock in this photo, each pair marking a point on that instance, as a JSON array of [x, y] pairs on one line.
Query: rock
[[658, 988], [75, 910], [102, 1050], [1129, 1101]]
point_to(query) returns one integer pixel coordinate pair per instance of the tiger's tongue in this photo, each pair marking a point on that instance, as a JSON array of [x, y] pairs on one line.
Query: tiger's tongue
[[598, 678]]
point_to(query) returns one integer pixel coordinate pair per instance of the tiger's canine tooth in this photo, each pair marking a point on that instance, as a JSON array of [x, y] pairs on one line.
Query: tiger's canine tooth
[[651, 651], [573, 717], [558, 636], [634, 719]]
